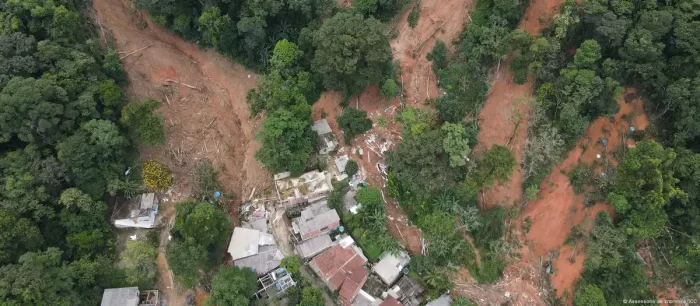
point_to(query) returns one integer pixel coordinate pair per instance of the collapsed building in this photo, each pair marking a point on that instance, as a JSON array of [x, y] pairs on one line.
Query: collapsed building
[[251, 248], [137, 212]]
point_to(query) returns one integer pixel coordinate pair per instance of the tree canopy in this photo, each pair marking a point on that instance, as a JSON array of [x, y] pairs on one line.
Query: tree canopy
[[232, 286], [351, 53]]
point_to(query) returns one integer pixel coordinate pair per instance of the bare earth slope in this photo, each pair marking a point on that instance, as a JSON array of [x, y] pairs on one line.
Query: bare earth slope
[[210, 119]]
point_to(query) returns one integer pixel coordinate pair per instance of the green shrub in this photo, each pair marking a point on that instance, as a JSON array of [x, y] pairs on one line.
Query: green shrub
[[353, 122], [413, 16], [351, 168], [581, 176], [390, 89], [147, 127]]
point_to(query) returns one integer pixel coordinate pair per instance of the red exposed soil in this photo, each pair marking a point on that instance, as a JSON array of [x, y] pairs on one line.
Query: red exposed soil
[[439, 20], [503, 119], [211, 121], [558, 209]]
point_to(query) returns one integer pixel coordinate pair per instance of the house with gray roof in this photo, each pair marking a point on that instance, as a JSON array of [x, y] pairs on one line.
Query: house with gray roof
[[316, 219], [129, 296], [313, 246]]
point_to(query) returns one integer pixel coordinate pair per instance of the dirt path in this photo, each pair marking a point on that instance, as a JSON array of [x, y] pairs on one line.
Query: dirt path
[[211, 121]]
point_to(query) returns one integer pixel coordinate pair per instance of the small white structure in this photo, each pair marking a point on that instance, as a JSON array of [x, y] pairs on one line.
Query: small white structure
[[129, 296], [390, 266], [326, 138], [139, 212], [121, 297], [253, 249]]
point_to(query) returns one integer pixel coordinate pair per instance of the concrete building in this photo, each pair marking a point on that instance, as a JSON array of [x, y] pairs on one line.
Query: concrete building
[[390, 266], [307, 188], [129, 296], [137, 212], [326, 139], [316, 219], [250, 248]]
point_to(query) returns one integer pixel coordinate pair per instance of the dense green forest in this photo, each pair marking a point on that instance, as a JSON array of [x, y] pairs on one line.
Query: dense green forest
[[68, 134], [63, 149], [651, 46]]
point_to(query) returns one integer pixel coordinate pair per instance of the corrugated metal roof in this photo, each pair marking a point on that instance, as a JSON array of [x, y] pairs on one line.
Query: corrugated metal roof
[[267, 259]]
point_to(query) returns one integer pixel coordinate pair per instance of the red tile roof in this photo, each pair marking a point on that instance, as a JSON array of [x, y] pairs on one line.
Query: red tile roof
[[390, 301], [344, 270]]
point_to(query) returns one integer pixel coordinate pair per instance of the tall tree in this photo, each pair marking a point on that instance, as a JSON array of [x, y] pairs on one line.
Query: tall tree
[[287, 141], [351, 53], [232, 286], [495, 165], [643, 186]]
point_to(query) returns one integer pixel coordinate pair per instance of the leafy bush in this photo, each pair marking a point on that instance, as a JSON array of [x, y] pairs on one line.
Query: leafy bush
[[369, 197], [413, 16], [351, 168], [438, 55], [292, 264], [390, 89], [491, 270], [140, 263], [147, 126], [589, 295], [232, 286], [353, 122], [156, 175], [199, 235], [581, 176], [496, 165]]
